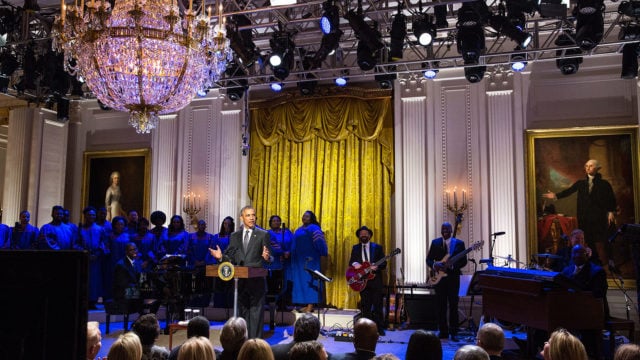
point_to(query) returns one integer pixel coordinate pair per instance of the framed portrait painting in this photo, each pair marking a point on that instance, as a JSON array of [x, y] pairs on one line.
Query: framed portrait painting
[[118, 180], [557, 164]]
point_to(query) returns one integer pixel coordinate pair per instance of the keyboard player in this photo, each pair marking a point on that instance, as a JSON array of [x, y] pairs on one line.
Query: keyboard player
[[588, 277]]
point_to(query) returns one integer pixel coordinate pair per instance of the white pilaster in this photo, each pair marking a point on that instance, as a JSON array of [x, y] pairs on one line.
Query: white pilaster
[[17, 165], [163, 157]]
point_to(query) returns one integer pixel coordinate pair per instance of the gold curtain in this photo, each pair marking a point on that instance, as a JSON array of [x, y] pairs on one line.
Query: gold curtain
[[334, 156]]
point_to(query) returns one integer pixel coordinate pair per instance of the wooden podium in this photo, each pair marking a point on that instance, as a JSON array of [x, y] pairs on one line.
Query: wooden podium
[[239, 272]]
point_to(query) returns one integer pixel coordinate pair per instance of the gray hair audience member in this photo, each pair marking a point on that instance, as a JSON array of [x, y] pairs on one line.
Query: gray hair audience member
[[491, 339], [198, 326], [471, 352], [627, 352], [255, 349], [148, 329], [424, 345], [126, 347], [234, 334], [308, 350], [197, 348], [387, 356], [306, 328], [94, 339]]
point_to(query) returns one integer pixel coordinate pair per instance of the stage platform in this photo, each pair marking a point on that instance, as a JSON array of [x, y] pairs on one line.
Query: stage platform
[[333, 319]]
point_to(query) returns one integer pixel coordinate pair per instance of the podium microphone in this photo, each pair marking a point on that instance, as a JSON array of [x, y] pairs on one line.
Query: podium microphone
[[499, 233]]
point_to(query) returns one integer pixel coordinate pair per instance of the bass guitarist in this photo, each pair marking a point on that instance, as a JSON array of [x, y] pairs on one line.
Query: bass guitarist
[[364, 254], [447, 288]]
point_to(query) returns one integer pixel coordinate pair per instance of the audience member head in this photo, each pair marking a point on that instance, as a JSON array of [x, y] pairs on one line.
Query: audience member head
[[158, 218], [562, 345], [627, 352], [424, 345], [234, 334], [147, 328], [577, 238], [471, 352], [579, 255], [387, 356], [196, 348], [255, 349], [491, 338], [198, 326], [365, 334], [306, 328], [126, 347], [94, 339], [308, 350]]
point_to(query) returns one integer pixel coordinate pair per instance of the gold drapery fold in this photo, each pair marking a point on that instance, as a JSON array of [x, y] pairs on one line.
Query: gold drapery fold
[[333, 156]]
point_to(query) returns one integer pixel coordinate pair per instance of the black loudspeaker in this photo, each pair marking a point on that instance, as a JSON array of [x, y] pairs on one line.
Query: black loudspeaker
[[422, 311]]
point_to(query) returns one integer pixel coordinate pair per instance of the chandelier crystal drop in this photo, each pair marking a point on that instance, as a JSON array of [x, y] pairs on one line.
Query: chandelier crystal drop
[[142, 57]]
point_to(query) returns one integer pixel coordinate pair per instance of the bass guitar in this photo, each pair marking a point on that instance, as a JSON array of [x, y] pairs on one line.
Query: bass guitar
[[357, 278], [437, 275]]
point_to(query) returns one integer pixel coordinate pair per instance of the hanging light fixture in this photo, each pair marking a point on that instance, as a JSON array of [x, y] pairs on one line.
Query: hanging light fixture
[[142, 57]]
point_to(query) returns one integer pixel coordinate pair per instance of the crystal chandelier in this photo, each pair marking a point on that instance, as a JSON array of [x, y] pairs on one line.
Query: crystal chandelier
[[142, 57]]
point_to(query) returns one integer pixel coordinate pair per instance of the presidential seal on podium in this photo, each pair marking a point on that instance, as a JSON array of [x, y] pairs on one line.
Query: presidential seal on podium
[[226, 271]]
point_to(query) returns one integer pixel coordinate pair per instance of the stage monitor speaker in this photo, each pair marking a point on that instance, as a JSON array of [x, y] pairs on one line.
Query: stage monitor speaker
[[422, 311]]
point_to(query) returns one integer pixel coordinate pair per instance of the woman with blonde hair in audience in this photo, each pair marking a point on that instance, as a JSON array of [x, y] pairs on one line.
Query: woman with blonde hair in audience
[[255, 349], [627, 352], [196, 348], [126, 347], [562, 345]]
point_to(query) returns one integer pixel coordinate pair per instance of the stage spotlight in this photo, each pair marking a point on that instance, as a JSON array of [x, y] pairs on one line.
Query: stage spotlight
[[366, 57], [518, 61], [471, 43], [424, 29], [630, 61], [241, 41], [440, 12], [341, 80], [553, 8], [282, 54], [471, 14], [474, 74], [630, 8], [276, 86], [589, 23], [330, 20], [398, 34], [307, 87], [511, 27], [385, 81], [430, 74], [368, 34], [235, 93], [328, 45], [568, 64]]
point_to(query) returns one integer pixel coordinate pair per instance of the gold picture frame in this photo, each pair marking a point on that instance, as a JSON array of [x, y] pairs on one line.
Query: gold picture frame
[[134, 167], [556, 159]]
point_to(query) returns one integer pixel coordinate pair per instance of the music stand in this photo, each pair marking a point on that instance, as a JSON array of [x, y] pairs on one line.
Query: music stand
[[322, 278]]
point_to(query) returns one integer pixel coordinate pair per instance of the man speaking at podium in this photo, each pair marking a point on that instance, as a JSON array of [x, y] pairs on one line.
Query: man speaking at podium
[[251, 247]]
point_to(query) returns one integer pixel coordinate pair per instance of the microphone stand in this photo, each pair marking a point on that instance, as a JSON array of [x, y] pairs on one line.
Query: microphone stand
[[322, 278], [627, 300]]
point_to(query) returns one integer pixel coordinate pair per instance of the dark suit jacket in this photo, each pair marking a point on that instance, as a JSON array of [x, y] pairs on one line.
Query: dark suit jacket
[[437, 251], [253, 257], [281, 351], [125, 275], [375, 254], [592, 207], [356, 355], [590, 278]]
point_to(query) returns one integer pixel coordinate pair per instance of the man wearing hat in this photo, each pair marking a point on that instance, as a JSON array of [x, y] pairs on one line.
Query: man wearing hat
[[371, 296]]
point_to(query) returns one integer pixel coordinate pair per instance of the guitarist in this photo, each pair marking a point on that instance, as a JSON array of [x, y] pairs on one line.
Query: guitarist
[[448, 287], [371, 296]]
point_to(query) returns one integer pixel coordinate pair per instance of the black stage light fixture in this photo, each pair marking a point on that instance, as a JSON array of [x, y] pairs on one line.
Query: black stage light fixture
[[366, 57], [440, 12], [235, 93], [589, 23], [569, 63], [553, 8], [474, 74], [630, 61], [329, 44], [237, 85], [385, 81], [307, 84], [241, 41], [630, 8], [398, 34], [518, 61], [368, 34], [4, 83], [330, 20], [471, 43], [511, 27], [282, 54], [424, 29]]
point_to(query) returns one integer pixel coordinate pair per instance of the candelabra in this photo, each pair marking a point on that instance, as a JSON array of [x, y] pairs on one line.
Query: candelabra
[[453, 206], [191, 206]]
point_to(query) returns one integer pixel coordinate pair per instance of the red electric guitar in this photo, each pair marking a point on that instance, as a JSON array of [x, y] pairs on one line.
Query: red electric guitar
[[357, 278]]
